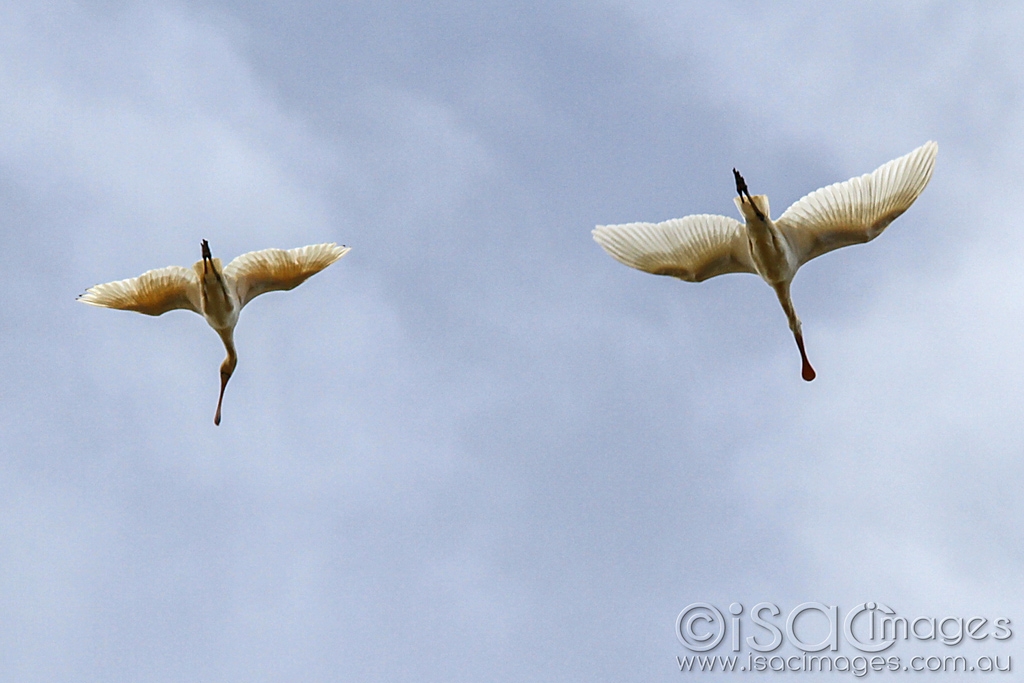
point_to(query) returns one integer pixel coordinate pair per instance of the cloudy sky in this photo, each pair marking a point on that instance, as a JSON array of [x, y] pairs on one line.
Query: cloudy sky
[[478, 448]]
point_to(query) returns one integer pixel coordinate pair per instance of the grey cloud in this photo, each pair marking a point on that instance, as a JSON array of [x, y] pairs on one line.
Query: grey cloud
[[477, 447]]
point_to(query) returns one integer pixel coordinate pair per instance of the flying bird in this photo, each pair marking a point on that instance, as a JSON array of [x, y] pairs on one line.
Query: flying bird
[[218, 294], [697, 247]]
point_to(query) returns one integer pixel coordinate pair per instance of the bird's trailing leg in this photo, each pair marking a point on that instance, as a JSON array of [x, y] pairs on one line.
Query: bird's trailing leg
[[209, 267], [741, 189], [782, 290], [207, 256], [226, 368]]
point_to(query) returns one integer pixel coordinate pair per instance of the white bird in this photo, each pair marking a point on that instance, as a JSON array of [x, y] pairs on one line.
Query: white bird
[[695, 248], [215, 293]]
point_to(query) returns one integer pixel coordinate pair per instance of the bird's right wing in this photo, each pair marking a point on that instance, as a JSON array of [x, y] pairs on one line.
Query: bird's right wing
[[693, 248], [276, 269], [154, 292], [859, 209]]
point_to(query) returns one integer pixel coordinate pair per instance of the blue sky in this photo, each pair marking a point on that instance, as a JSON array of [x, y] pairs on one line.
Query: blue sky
[[477, 447]]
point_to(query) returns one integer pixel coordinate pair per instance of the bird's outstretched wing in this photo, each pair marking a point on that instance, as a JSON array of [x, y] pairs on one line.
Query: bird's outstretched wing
[[154, 292], [693, 248], [276, 269], [859, 209]]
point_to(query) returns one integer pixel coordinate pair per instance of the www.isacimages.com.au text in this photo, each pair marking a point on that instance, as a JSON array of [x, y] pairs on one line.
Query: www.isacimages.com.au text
[[858, 665]]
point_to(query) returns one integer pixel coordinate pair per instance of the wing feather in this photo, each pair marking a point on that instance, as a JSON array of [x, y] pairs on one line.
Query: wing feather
[[154, 292], [693, 248], [277, 269], [859, 209]]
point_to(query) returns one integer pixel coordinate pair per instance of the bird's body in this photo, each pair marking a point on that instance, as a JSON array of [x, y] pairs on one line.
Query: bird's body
[[216, 293], [698, 247]]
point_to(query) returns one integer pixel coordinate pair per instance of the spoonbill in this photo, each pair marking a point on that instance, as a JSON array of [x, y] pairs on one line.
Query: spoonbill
[[697, 247], [218, 294]]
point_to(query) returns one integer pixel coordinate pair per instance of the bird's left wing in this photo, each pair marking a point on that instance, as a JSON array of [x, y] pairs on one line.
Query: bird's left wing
[[859, 209], [693, 248], [277, 269], [154, 292]]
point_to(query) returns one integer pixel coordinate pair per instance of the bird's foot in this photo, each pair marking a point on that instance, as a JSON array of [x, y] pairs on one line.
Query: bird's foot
[[741, 189], [741, 184]]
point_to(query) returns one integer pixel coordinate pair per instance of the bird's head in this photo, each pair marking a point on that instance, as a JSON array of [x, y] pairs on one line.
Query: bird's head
[[750, 206]]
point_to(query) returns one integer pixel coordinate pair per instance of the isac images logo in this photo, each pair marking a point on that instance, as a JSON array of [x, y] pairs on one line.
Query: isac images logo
[[816, 632]]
